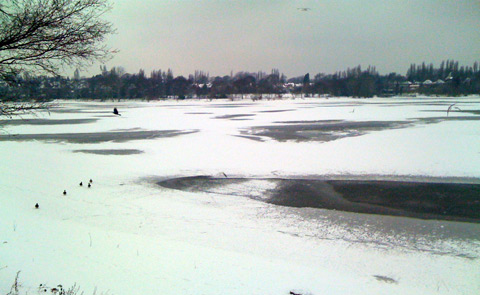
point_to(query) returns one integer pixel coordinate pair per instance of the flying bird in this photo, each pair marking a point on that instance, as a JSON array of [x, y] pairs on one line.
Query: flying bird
[[304, 8]]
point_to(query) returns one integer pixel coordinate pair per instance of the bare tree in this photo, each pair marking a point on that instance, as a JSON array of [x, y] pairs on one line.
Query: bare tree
[[43, 36]]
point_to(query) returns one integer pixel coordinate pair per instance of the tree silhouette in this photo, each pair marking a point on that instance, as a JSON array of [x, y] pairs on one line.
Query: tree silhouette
[[41, 36]]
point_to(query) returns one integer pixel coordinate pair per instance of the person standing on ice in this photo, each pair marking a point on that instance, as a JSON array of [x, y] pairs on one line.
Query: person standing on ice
[[115, 112]]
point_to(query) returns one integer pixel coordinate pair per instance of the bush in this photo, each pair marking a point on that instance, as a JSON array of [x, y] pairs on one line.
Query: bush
[[44, 289]]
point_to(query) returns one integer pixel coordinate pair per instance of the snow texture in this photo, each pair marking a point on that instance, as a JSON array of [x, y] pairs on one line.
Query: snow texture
[[128, 235]]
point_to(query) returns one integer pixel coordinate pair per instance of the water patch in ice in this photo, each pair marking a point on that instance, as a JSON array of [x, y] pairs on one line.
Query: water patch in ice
[[321, 131], [16, 122], [96, 137], [234, 116], [310, 122], [276, 111], [78, 111], [434, 120], [474, 112], [302, 203], [117, 152], [425, 200], [255, 138], [233, 105]]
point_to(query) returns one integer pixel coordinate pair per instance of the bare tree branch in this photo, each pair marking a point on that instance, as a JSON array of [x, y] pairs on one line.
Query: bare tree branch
[[47, 34], [41, 36], [10, 109]]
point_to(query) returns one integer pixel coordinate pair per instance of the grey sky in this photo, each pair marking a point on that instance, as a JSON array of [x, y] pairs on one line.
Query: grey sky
[[222, 36]]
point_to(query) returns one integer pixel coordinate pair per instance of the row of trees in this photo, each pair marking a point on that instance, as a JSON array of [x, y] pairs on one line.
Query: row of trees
[[38, 37], [448, 69], [115, 83]]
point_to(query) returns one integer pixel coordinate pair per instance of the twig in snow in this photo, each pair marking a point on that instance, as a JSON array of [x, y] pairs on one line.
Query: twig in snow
[[16, 284], [451, 108], [385, 279]]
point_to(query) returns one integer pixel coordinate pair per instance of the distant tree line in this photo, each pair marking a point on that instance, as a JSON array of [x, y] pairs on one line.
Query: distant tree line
[[448, 79]]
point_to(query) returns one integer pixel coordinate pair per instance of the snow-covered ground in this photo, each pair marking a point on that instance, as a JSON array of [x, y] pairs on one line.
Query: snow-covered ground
[[127, 235]]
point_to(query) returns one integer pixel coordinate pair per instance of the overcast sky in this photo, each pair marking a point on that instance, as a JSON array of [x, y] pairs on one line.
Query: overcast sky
[[222, 36]]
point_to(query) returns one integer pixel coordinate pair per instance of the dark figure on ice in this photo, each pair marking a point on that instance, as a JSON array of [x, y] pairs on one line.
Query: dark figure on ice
[[91, 180], [89, 185], [115, 112], [81, 183], [36, 206], [65, 192]]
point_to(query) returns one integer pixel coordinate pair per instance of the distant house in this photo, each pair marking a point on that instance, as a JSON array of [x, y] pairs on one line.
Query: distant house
[[427, 82], [413, 86], [289, 86]]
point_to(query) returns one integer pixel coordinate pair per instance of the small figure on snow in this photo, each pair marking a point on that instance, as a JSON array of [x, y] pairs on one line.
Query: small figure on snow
[[89, 185], [64, 192], [91, 181], [81, 183], [115, 112], [37, 206]]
